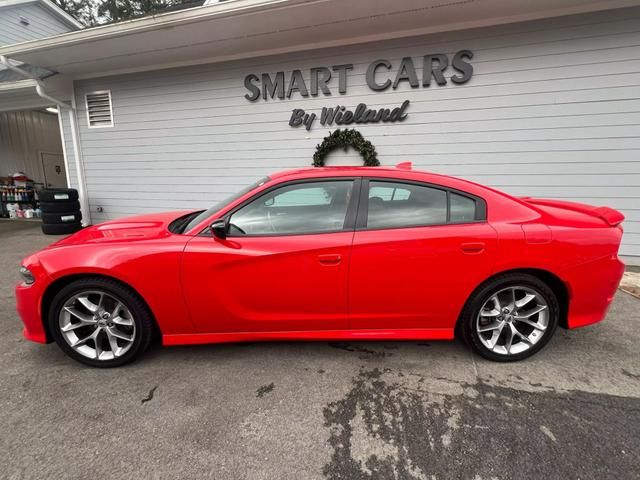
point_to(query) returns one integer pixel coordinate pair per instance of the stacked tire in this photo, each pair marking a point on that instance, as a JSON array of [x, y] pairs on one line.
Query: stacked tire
[[60, 211]]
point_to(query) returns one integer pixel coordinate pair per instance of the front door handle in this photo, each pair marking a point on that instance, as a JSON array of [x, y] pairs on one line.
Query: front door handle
[[473, 247], [330, 259]]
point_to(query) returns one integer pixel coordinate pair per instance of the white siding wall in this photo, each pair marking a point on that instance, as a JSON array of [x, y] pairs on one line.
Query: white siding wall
[[41, 24], [553, 110], [23, 135]]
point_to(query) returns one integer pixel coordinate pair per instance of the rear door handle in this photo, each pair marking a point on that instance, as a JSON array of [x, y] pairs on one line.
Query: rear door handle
[[330, 259], [473, 247]]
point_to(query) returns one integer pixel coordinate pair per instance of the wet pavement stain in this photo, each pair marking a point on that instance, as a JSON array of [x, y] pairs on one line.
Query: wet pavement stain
[[388, 428]]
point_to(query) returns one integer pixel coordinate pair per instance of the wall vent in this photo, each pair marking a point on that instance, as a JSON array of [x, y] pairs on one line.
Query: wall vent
[[99, 111]]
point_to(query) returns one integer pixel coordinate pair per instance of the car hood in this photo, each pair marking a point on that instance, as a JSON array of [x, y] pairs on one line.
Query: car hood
[[141, 227]]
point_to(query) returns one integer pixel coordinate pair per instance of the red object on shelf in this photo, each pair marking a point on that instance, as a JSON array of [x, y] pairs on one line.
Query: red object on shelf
[[21, 180]]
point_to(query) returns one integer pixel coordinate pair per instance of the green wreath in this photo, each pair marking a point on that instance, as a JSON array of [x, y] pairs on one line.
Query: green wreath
[[344, 139]]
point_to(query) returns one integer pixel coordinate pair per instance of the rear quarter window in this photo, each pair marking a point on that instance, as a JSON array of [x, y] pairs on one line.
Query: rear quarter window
[[461, 208]]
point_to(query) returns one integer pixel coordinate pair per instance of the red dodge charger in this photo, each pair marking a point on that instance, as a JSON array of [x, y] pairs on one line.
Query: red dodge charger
[[350, 253]]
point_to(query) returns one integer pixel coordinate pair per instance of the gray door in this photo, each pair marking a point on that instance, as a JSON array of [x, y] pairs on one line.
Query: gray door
[[54, 172]]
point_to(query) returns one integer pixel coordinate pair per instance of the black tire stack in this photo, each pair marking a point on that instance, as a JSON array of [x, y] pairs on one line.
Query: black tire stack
[[60, 211]]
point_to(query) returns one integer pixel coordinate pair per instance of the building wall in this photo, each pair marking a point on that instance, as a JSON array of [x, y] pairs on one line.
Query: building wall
[[23, 135], [42, 23], [552, 110]]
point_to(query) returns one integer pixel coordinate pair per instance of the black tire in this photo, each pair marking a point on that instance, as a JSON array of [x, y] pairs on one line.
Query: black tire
[[141, 314], [55, 195], [466, 323], [62, 218], [57, 207], [61, 228]]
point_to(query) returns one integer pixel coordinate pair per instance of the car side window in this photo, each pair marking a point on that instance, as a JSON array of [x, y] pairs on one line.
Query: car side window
[[302, 196], [310, 207], [389, 193], [395, 205], [462, 209]]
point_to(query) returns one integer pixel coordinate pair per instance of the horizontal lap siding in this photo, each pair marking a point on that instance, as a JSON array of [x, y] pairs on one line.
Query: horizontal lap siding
[[41, 24], [553, 109]]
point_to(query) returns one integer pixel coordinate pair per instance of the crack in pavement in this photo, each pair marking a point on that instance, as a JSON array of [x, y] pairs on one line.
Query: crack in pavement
[[264, 389], [149, 397], [367, 352]]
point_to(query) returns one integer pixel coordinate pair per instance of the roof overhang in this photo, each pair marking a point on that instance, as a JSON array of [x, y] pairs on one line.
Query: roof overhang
[[250, 28], [22, 94]]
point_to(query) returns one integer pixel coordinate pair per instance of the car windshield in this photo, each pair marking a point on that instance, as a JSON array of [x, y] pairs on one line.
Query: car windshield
[[207, 213]]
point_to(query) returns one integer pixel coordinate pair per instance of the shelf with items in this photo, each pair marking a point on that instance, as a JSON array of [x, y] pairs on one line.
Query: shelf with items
[[11, 194], [18, 202]]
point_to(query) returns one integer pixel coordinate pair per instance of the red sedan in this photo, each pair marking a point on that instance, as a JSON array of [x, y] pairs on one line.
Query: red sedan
[[348, 253]]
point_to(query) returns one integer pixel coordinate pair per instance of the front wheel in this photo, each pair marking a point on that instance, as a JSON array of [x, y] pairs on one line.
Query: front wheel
[[510, 318], [100, 322]]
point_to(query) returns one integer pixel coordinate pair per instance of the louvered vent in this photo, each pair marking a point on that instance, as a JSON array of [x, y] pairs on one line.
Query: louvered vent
[[99, 112]]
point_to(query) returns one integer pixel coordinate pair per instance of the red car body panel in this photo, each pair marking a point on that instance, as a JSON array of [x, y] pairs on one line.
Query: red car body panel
[[424, 267], [396, 283], [270, 283]]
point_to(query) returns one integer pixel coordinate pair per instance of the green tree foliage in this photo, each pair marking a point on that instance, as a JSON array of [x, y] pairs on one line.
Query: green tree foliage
[[82, 10], [96, 12]]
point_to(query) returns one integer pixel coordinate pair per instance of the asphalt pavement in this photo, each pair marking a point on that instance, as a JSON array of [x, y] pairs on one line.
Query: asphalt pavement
[[377, 410]]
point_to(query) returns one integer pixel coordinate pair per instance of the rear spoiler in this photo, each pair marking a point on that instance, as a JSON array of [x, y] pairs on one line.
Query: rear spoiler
[[609, 215]]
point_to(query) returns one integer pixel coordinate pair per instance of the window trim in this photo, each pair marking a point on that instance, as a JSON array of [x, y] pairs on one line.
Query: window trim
[[350, 215], [363, 211]]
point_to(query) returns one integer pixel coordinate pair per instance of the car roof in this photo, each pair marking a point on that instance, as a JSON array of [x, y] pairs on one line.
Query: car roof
[[403, 171], [326, 171]]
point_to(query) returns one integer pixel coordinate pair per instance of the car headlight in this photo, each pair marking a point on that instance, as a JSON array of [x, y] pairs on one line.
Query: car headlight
[[27, 276]]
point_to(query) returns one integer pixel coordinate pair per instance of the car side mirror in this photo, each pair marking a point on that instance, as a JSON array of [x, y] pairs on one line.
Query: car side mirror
[[219, 229]]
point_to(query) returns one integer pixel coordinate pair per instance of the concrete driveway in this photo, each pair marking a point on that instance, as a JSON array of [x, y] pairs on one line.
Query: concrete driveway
[[383, 410]]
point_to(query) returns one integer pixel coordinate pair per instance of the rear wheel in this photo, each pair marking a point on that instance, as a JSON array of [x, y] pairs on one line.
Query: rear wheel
[[100, 322], [510, 318]]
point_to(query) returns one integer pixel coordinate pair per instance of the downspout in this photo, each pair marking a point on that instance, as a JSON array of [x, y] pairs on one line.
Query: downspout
[[82, 189], [64, 149]]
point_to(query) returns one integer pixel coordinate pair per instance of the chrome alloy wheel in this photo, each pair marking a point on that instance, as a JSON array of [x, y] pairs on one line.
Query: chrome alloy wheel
[[97, 325], [512, 320]]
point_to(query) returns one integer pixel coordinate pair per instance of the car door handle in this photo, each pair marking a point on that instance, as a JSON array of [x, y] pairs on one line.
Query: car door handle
[[473, 247], [330, 259]]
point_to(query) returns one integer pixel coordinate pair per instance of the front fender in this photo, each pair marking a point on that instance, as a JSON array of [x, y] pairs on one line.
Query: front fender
[[150, 268]]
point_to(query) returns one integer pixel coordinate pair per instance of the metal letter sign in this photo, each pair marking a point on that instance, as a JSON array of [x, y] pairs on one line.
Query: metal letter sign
[[378, 78]]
